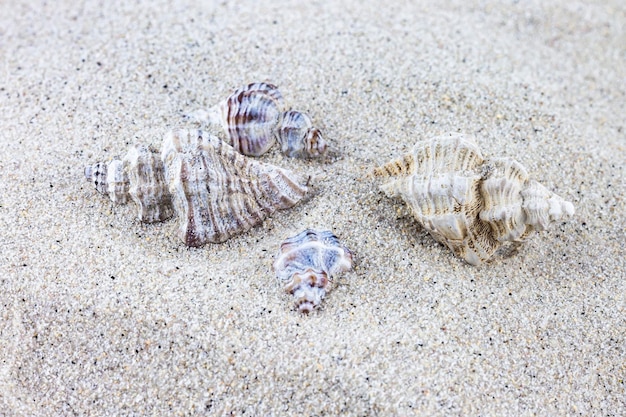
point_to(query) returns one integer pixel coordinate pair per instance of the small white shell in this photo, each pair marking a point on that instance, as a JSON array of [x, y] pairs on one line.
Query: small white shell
[[306, 263], [215, 191], [470, 204], [298, 138]]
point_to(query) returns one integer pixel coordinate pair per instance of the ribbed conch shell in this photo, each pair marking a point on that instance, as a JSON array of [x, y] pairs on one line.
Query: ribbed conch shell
[[254, 120], [215, 191], [470, 204], [306, 263]]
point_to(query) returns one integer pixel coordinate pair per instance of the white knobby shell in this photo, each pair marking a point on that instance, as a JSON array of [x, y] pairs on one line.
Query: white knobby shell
[[307, 262], [470, 204]]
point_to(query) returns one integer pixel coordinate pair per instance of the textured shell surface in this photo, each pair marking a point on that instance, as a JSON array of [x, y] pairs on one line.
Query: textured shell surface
[[254, 118], [138, 176], [214, 191], [217, 192], [250, 116], [307, 262], [471, 204]]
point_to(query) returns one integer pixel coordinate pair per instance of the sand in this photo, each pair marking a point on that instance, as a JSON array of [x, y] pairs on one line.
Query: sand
[[102, 315]]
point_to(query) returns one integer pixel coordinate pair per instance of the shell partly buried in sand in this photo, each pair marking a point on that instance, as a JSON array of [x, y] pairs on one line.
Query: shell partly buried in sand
[[253, 117], [214, 191], [307, 262], [471, 204]]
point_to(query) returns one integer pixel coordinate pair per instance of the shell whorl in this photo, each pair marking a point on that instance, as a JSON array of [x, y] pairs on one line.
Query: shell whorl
[[109, 178], [250, 116], [470, 204], [306, 264], [138, 176]]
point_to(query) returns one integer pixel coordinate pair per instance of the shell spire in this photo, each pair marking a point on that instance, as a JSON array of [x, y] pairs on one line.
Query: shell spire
[[470, 204], [138, 176], [306, 264]]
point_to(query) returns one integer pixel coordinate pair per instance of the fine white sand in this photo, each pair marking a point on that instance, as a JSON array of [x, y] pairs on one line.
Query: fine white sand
[[102, 315]]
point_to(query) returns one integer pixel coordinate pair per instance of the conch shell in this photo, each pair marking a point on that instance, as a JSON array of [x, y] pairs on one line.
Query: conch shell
[[214, 191], [306, 263], [254, 119], [471, 205]]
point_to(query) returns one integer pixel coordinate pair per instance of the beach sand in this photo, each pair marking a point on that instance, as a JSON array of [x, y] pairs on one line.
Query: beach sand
[[102, 315]]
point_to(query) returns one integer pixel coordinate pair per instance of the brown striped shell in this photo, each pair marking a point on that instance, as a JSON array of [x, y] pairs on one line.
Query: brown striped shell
[[253, 117], [214, 191], [250, 116], [470, 204], [307, 262]]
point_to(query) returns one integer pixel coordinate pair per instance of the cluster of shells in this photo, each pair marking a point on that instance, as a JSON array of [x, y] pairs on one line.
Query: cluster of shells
[[471, 204]]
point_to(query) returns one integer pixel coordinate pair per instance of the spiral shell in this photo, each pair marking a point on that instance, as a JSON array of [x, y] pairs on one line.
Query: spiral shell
[[254, 120], [298, 138], [470, 204], [250, 116], [306, 263], [214, 191]]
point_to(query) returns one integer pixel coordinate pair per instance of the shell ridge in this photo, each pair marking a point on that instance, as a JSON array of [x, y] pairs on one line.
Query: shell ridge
[[147, 184], [253, 119]]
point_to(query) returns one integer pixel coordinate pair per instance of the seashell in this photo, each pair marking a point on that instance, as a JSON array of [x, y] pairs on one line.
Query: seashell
[[254, 120], [306, 263], [215, 191], [470, 204], [139, 176], [250, 116]]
